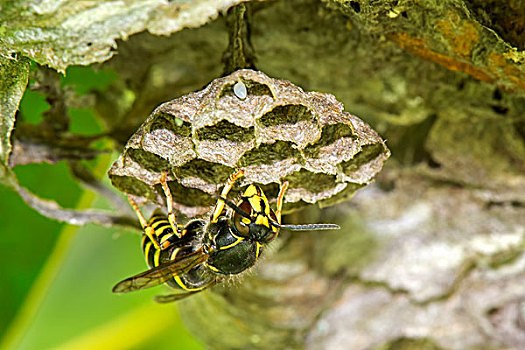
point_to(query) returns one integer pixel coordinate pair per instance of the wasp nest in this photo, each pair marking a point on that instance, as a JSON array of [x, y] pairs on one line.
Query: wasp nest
[[270, 128]]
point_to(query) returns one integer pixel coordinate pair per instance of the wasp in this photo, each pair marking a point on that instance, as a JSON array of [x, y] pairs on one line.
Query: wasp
[[198, 255]]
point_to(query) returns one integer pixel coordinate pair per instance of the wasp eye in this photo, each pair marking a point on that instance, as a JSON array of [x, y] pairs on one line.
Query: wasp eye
[[240, 226]]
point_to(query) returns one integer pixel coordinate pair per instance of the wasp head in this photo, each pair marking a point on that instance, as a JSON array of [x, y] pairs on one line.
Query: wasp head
[[253, 218]]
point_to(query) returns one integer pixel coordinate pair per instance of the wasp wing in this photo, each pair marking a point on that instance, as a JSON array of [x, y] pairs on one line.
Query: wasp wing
[[161, 273]]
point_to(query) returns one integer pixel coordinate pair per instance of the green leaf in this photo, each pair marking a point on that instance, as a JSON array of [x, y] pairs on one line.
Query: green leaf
[[57, 278]]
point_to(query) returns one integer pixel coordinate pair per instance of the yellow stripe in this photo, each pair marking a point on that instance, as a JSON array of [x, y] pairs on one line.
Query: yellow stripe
[[259, 246], [156, 258], [174, 253], [147, 250], [163, 235], [239, 239], [181, 284], [177, 278], [213, 268], [154, 218], [157, 222], [255, 202], [255, 199], [262, 220], [161, 229], [250, 191]]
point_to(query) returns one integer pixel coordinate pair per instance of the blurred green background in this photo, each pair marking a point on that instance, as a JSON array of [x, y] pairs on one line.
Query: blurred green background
[[56, 278]]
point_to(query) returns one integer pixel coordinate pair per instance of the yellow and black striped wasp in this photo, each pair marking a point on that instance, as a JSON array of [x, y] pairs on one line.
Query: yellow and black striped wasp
[[194, 257]]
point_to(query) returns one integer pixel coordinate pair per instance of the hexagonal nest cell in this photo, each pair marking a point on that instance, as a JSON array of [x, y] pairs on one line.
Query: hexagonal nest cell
[[273, 130]]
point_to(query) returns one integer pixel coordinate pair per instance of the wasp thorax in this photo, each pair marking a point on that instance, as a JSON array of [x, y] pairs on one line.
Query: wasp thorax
[[271, 129]]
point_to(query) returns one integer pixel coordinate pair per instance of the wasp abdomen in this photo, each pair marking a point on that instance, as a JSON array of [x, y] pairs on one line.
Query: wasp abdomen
[[195, 279]]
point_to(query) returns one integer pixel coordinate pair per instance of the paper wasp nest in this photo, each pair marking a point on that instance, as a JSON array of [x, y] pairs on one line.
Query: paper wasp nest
[[270, 128]]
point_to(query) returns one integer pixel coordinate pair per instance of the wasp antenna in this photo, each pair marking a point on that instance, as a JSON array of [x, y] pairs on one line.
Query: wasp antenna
[[311, 227], [306, 227], [234, 207]]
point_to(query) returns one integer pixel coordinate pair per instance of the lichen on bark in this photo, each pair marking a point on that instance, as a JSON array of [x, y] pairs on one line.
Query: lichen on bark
[[14, 75]]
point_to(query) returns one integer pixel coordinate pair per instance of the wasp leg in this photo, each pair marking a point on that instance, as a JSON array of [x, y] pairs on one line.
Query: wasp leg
[[178, 296], [280, 199], [169, 205], [163, 299], [148, 230], [219, 207]]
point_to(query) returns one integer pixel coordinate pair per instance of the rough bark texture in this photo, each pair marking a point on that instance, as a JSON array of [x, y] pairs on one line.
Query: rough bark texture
[[431, 255], [63, 33]]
